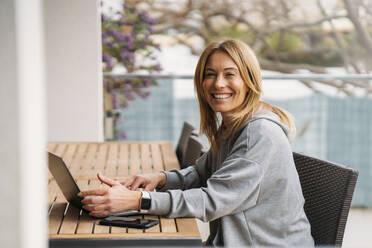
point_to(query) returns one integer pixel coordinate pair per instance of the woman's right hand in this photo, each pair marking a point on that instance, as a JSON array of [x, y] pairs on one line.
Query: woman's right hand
[[147, 181]]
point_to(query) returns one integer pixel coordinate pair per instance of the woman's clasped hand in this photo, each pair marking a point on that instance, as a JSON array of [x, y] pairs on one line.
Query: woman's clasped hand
[[119, 196]]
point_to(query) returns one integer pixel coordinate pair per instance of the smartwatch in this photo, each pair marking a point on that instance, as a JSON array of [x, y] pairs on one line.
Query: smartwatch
[[145, 202]]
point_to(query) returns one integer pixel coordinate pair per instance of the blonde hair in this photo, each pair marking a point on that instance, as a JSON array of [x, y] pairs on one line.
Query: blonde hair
[[250, 72]]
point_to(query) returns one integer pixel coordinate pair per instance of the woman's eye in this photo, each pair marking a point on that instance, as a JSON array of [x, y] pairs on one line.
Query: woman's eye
[[209, 74], [230, 74]]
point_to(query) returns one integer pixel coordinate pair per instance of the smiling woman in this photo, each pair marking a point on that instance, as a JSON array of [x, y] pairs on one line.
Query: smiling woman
[[247, 185]]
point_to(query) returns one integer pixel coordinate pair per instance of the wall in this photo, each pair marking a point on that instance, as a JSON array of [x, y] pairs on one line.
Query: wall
[[22, 126], [74, 70]]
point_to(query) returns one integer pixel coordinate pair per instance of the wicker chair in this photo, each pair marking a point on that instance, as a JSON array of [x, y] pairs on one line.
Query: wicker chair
[[328, 189], [182, 141], [193, 150]]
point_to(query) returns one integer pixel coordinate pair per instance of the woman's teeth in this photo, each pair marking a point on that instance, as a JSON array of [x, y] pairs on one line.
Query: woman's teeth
[[221, 96]]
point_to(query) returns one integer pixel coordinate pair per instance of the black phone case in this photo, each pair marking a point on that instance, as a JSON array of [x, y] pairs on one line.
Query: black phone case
[[120, 223]]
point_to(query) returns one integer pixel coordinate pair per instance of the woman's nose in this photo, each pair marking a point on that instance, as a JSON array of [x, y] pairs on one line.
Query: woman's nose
[[220, 83]]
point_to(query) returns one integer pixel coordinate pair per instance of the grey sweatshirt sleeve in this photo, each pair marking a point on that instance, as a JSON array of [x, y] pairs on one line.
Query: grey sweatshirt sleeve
[[233, 188], [189, 177]]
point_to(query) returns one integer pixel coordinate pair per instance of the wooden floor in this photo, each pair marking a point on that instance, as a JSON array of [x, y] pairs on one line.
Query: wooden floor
[[118, 161]]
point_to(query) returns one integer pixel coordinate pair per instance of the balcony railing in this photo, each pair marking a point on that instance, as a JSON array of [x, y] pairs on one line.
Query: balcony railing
[[353, 77]]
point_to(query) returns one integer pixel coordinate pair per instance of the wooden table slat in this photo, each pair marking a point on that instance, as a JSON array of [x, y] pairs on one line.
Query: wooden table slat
[[86, 222], [153, 229], [145, 159], [123, 160], [89, 161], [69, 154], [60, 149], [168, 225], [157, 160], [169, 157], [115, 229], [101, 159], [78, 160], [51, 147], [100, 228], [135, 165], [56, 216], [70, 220], [187, 225], [112, 161], [52, 191]]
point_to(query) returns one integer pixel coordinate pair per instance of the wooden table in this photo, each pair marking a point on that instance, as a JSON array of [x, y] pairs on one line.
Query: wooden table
[[69, 227]]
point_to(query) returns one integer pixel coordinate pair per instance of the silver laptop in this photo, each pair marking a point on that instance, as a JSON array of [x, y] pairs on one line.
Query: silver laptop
[[64, 179], [67, 184]]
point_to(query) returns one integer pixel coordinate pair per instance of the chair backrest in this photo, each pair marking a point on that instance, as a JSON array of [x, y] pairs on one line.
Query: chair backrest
[[182, 141], [193, 150], [328, 189]]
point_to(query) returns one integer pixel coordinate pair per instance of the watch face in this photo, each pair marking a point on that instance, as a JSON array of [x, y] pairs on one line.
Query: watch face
[[145, 201]]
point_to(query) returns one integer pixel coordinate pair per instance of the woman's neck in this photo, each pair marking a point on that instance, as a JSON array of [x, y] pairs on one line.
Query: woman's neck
[[226, 120]]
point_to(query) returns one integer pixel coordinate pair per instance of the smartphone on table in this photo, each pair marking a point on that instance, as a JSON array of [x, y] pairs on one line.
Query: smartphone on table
[[128, 222]]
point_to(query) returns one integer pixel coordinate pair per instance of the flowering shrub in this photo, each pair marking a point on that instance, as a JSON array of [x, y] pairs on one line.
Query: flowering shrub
[[126, 43]]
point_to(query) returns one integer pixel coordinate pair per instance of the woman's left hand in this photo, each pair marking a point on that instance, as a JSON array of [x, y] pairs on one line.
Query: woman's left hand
[[115, 199]]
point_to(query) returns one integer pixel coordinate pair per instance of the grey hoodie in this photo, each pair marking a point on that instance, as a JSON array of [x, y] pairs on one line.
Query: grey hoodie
[[250, 191]]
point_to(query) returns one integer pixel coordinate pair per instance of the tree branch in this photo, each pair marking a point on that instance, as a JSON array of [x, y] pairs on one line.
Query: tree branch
[[363, 35]]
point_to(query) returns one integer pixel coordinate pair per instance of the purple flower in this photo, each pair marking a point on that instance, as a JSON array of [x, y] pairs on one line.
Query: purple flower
[[151, 29], [147, 82], [144, 95], [108, 32], [104, 35], [129, 41], [158, 67], [108, 43], [106, 58], [143, 45], [115, 100], [122, 22], [129, 96], [138, 86], [121, 135], [126, 56], [127, 87], [144, 16], [118, 36], [131, 58]]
